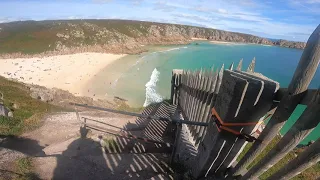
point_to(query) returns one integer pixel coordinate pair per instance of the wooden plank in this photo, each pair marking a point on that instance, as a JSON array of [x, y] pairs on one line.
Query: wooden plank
[[251, 66], [302, 77], [308, 95], [204, 97], [197, 99], [256, 103], [301, 128], [227, 102], [219, 79], [190, 97], [172, 87], [190, 82], [209, 104], [182, 90], [185, 105], [193, 92], [216, 91], [239, 67], [199, 85], [309, 157], [231, 67], [200, 100]]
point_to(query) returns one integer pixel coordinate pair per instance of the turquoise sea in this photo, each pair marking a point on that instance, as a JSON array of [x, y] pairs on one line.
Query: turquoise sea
[[145, 78]]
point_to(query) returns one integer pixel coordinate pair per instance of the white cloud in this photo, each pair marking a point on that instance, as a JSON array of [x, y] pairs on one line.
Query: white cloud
[[193, 17], [102, 1], [223, 11], [306, 6], [313, 1], [163, 6]]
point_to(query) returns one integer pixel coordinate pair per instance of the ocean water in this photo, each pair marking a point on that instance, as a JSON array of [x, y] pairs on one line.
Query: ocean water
[[143, 79]]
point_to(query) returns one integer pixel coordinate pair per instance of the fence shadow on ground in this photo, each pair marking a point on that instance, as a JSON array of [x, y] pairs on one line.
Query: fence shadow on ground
[[139, 150]]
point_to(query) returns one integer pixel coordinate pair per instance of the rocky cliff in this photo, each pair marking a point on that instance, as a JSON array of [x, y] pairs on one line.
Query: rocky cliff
[[116, 36]]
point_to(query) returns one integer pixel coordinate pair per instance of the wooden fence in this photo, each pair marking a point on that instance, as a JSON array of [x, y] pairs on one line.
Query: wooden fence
[[242, 100]]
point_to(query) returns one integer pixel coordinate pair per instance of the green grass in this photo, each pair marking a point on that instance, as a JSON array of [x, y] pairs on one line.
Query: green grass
[[122, 106], [29, 112], [310, 173], [24, 167]]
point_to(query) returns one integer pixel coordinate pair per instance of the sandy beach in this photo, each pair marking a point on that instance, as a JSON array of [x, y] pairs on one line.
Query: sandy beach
[[67, 72], [223, 42], [198, 39]]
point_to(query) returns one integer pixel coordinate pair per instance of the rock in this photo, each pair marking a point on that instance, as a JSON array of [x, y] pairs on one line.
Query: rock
[[4, 111], [290, 44], [15, 106], [10, 114], [42, 94]]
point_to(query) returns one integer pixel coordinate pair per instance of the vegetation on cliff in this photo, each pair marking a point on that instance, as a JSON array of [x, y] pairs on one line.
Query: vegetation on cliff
[[114, 36]]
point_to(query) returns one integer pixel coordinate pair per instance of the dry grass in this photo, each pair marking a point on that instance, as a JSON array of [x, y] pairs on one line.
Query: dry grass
[[27, 111], [309, 174]]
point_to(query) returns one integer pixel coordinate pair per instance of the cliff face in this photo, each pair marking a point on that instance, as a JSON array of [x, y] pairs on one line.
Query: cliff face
[[290, 44], [115, 36]]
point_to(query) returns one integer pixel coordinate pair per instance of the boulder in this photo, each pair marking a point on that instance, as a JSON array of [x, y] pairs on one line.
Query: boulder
[[4, 111], [42, 94]]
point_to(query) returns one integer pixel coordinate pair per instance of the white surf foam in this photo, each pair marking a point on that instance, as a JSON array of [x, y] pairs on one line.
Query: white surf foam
[[151, 95], [172, 49], [164, 51]]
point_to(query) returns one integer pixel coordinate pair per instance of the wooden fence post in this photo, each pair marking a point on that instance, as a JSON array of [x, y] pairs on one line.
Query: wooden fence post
[[309, 157], [256, 103], [302, 127], [302, 77], [230, 97]]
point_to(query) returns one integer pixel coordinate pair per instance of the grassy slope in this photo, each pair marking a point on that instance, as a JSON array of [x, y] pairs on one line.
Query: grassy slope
[[29, 112], [309, 174], [33, 37]]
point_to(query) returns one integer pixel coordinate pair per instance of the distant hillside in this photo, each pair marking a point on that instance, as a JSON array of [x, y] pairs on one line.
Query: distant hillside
[[115, 36]]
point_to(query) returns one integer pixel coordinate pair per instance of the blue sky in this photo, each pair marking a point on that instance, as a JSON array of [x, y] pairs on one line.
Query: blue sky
[[286, 19]]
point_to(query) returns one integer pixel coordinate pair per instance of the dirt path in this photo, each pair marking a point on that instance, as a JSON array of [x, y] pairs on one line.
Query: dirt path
[[64, 149]]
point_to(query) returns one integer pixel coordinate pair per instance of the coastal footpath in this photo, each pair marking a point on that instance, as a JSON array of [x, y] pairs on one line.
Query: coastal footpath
[[57, 37]]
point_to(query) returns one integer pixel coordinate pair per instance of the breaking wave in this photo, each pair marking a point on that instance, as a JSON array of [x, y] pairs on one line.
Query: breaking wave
[[151, 95]]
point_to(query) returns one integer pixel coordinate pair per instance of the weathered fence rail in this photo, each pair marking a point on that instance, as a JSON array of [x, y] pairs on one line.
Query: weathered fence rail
[[240, 101]]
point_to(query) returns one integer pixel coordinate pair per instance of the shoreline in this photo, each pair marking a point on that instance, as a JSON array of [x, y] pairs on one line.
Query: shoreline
[[230, 43], [109, 81], [66, 72]]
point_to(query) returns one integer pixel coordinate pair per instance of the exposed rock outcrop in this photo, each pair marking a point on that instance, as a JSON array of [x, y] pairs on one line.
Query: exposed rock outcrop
[[290, 44]]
